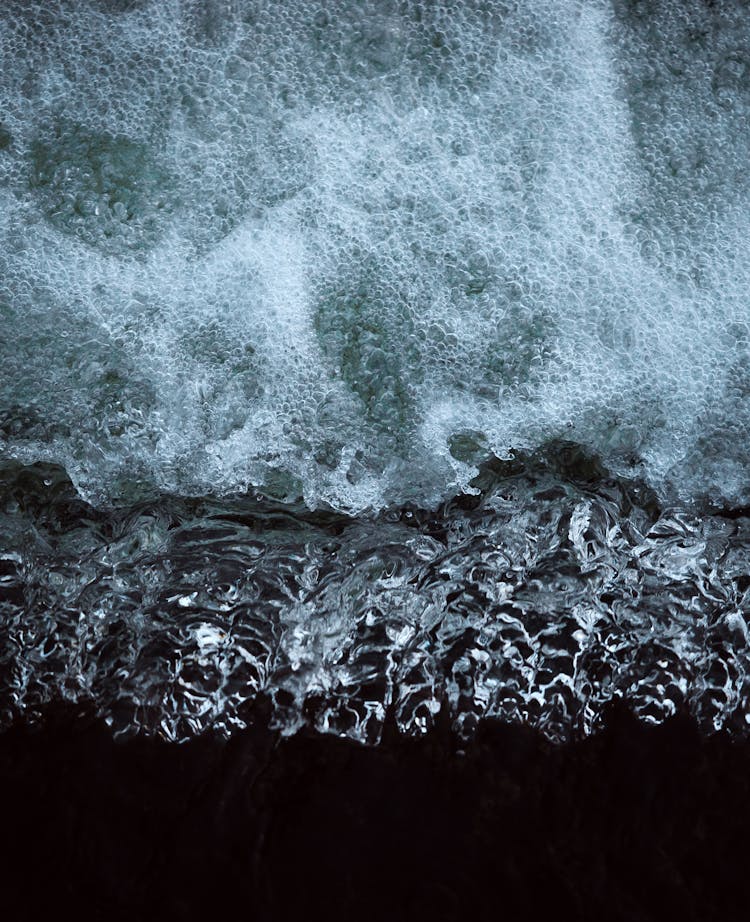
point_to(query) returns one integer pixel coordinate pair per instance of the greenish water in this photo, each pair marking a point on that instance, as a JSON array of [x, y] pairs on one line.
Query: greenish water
[[307, 250]]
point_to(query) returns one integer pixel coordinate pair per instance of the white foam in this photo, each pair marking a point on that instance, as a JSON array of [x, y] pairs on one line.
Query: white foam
[[308, 250]]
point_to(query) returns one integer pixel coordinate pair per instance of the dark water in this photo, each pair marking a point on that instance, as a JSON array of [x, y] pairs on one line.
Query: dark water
[[539, 601], [633, 823]]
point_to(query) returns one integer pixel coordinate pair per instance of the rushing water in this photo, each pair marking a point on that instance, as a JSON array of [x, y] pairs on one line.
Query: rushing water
[[354, 274], [541, 602]]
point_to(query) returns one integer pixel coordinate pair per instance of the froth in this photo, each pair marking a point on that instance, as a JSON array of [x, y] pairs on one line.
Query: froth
[[348, 253]]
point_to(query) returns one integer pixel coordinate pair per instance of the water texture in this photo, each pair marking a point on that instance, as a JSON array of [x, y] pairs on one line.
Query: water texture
[[298, 305], [346, 253], [540, 602]]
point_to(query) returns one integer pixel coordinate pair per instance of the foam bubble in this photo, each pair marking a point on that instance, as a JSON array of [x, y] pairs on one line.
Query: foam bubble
[[349, 252]]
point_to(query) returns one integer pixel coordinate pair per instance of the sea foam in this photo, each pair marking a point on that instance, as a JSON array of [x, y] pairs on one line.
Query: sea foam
[[349, 253]]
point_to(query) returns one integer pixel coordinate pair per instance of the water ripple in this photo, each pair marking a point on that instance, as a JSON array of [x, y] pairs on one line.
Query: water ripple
[[538, 602]]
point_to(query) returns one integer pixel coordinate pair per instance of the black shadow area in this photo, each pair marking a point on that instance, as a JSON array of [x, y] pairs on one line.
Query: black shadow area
[[634, 823]]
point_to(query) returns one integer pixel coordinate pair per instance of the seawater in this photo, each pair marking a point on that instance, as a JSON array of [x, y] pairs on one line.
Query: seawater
[[345, 260]]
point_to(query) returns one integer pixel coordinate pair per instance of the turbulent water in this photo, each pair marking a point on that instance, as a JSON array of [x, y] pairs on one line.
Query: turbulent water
[[540, 602], [317, 264]]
